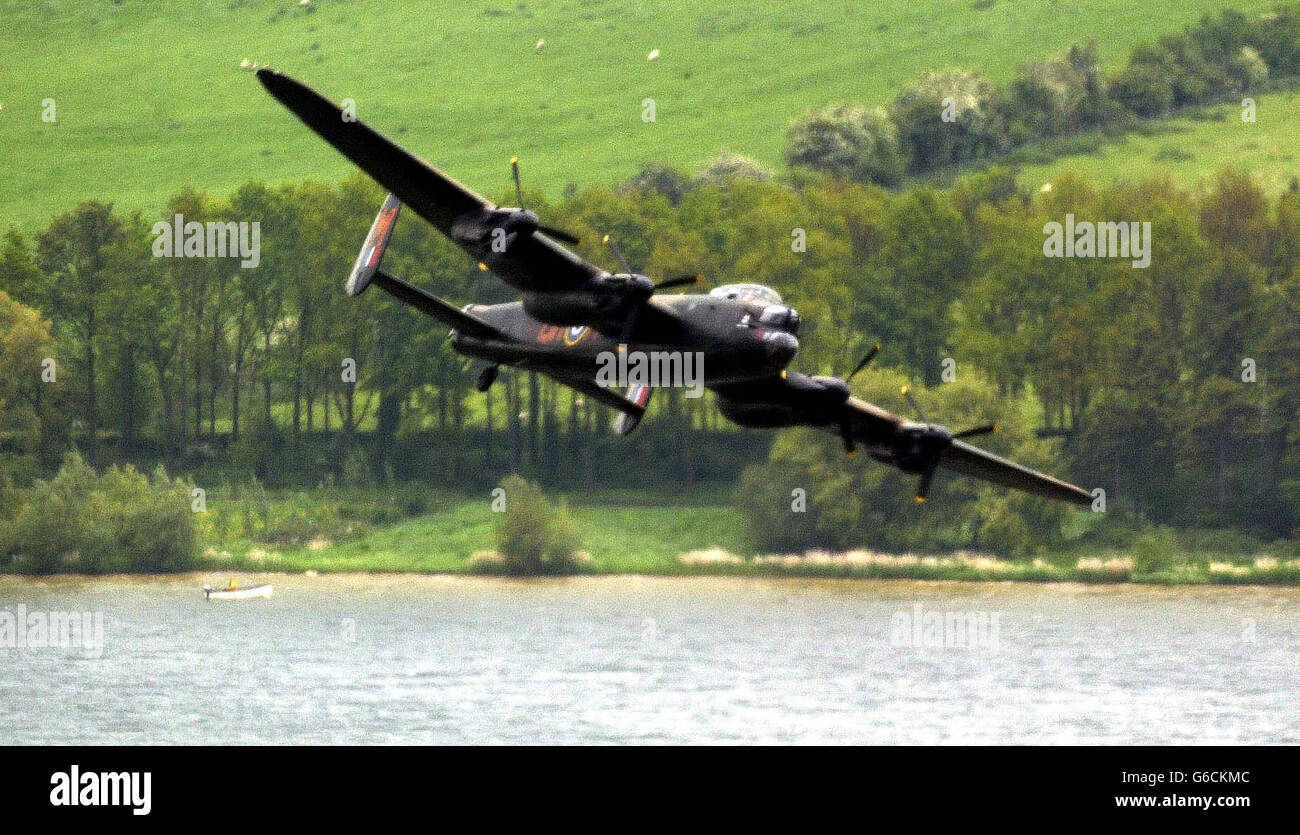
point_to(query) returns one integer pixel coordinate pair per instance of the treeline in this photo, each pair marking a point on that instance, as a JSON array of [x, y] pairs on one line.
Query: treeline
[[1172, 387], [957, 115], [270, 370], [1175, 388]]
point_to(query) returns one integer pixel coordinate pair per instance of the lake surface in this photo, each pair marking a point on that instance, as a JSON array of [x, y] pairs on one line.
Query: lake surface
[[389, 659]]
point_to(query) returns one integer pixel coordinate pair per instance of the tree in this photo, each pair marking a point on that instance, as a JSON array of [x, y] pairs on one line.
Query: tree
[[26, 400], [1056, 95], [73, 255], [920, 270], [1144, 86]]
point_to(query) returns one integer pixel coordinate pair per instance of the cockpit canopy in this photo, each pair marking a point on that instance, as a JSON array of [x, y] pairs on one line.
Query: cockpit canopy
[[747, 293]]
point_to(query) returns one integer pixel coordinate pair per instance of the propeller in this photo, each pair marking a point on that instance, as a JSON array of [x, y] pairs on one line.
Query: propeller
[[644, 289], [932, 440], [875, 349], [906, 391], [558, 234], [986, 429], [846, 426], [678, 281], [618, 254]]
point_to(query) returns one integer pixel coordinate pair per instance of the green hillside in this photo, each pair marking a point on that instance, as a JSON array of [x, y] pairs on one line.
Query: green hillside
[[150, 96], [1190, 149]]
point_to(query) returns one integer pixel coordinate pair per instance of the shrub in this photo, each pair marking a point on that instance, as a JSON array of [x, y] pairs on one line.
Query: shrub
[[1004, 529], [1156, 549], [727, 166], [1143, 88], [1248, 69], [533, 536], [766, 499], [118, 521], [260, 450], [658, 179], [950, 117], [151, 520], [1057, 95], [357, 470], [848, 141], [1277, 38]]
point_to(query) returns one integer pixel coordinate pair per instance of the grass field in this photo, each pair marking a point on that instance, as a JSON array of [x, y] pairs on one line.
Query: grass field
[[623, 531], [653, 533], [149, 95], [1190, 149]]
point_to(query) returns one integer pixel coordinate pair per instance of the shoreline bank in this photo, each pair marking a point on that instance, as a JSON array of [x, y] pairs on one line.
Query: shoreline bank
[[923, 569]]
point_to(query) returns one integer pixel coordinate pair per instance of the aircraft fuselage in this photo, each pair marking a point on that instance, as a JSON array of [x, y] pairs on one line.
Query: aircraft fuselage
[[730, 333]]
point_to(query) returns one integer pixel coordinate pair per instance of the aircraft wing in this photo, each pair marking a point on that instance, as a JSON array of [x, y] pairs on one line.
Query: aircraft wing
[[536, 262], [963, 458], [894, 440]]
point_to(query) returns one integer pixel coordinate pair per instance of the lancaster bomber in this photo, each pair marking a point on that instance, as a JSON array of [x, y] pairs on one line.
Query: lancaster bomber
[[572, 312]]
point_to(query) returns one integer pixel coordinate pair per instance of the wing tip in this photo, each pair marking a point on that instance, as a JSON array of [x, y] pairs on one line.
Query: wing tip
[[268, 77]]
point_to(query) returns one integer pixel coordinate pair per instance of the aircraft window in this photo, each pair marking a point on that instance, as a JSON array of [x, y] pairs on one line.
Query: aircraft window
[[747, 292]]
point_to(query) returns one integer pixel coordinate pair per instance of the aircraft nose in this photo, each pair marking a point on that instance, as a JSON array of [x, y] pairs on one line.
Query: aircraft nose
[[781, 346]]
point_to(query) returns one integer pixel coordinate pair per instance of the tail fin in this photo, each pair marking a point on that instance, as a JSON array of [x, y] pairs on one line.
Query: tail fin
[[373, 250]]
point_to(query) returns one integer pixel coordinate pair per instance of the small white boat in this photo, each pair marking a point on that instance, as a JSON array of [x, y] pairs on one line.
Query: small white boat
[[235, 593]]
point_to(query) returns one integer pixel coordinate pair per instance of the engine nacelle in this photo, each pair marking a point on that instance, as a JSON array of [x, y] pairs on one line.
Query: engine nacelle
[[915, 445], [601, 301], [493, 231], [833, 388]]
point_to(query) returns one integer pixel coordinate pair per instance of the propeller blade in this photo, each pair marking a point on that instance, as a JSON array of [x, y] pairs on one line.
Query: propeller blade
[[875, 349], [560, 235], [618, 253], [519, 188], [846, 435], [907, 392], [923, 489], [679, 281], [986, 429]]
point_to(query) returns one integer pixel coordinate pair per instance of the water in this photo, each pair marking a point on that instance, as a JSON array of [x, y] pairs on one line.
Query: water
[[651, 660]]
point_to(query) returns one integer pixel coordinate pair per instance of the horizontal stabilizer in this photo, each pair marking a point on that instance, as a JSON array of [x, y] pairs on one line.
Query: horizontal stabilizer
[[449, 314], [600, 394]]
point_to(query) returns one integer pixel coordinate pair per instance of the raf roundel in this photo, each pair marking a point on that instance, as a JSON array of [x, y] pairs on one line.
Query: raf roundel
[[575, 334]]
